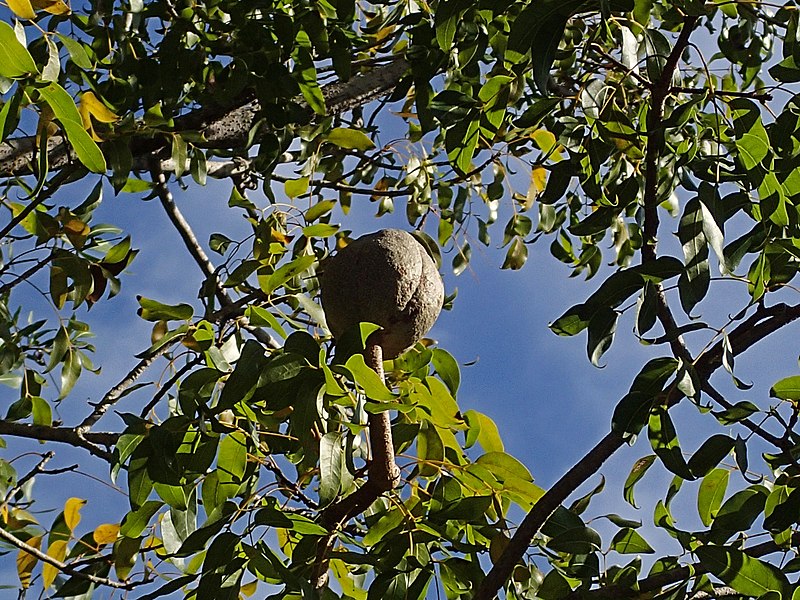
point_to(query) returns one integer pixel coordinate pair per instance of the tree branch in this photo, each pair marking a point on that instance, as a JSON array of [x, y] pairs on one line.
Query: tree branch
[[89, 440], [115, 393], [220, 128], [63, 567], [383, 474]]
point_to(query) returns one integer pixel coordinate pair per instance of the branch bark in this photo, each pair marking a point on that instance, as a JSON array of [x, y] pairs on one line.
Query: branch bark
[[90, 441], [228, 128]]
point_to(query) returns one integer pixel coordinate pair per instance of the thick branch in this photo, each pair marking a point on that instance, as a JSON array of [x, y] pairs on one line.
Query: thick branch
[[89, 441], [383, 474], [228, 129]]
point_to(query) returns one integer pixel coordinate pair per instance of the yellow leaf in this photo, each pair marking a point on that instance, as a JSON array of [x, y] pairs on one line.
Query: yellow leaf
[[22, 8], [106, 533], [547, 143], [27, 562], [97, 109], [54, 7], [539, 178], [248, 589], [57, 550], [72, 514]]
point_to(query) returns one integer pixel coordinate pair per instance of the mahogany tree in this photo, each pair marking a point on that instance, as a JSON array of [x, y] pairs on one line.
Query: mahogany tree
[[599, 128]]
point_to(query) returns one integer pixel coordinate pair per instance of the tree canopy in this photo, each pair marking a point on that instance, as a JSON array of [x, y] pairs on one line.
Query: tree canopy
[[597, 128]]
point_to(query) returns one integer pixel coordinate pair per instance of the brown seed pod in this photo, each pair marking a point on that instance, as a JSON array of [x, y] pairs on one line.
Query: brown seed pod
[[386, 278]]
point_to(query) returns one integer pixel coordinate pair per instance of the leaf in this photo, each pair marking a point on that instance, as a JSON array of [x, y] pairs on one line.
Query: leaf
[[22, 8], [368, 380], [714, 236], [711, 494], [320, 209], [538, 29], [57, 550], [640, 467], [26, 563], [72, 509], [628, 541], [67, 114], [106, 533], [331, 464], [447, 369], [710, 453], [504, 466], [430, 450], [320, 230], [295, 187], [352, 139], [77, 51], [151, 310], [15, 60], [287, 272], [488, 435], [787, 389], [664, 440], [694, 282], [747, 575]]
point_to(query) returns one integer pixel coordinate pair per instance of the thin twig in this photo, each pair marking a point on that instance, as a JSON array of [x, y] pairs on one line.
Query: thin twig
[[63, 567], [185, 231], [55, 183], [196, 250], [115, 393], [289, 484], [24, 276], [39, 468], [169, 384]]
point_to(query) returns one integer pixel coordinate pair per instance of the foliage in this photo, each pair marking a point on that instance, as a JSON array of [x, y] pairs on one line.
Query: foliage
[[595, 127]]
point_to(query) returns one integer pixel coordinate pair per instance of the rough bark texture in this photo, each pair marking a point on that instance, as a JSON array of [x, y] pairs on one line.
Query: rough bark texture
[[227, 128], [386, 278]]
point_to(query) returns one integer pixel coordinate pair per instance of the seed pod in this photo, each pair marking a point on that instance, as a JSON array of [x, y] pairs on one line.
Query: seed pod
[[386, 278]]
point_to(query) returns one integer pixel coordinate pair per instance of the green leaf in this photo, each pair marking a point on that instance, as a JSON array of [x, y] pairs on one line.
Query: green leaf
[[77, 51], [296, 187], [628, 541], [664, 440], [320, 230], [488, 435], [151, 310], [538, 29], [504, 466], [461, 140], [747, 575], [241, 383], [15, 60], [232, 462], [447, 369], [711, 493], [368, 380], [331, 464], [710, 453], [352, 139], [430, 450], [135, 521], [694, 282], [67, 114], [640, 467], [287, 272], [321, 208], [787, 389]]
